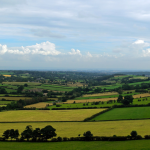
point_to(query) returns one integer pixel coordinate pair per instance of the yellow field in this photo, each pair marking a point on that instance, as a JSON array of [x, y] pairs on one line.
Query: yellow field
[[72, 129], [22, 83], [100, 94], [47, 115], [7, 75], [15, 98], [141, 95], [90, 100], [39, 105]]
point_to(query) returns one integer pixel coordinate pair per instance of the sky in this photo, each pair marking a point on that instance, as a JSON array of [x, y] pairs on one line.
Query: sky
[[78, 34]]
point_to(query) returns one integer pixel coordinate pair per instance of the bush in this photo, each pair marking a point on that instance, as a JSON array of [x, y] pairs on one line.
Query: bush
[[65, 139], [59, 139], [58, 105], [147, 136], [54, 140], [88, 135], [133, 134], [138, 137]]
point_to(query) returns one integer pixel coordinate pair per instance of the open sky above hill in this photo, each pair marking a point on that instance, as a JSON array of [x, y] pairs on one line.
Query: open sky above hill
[[46, 34]]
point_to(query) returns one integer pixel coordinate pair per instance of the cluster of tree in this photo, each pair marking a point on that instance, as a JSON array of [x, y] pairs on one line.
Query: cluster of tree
[[52, 94], [99, 80], [3, 90], [33, 94], [141, 91], [36, 135], [128, 99], [21, 103], [52, 76], [49, 132]]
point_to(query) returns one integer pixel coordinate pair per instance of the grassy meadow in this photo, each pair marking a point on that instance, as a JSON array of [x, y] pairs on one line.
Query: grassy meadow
[[125, 113]]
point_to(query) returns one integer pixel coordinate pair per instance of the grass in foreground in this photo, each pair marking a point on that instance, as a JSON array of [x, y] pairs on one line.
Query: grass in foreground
[[78, 145], [125, 113], [47, 115]]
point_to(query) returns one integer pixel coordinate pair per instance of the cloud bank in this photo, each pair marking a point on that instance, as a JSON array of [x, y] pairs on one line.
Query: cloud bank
[[45, 48]]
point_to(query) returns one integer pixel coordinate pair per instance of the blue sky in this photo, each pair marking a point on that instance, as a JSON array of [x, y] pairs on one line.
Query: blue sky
[[64, 34]]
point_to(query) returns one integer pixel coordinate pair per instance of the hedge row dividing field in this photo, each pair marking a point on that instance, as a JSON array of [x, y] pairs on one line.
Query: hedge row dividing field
[[15, 98], [125, 113], [47, 115], [135, 95]]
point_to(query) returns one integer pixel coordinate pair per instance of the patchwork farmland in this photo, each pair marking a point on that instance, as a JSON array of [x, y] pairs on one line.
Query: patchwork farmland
[[75, 106]]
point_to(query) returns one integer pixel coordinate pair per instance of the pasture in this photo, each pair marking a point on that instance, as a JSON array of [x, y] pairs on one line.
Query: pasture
[[73, 129], [90, 100], [100, 94], [47, 115], [78, 145], [125, 113], [38, 105]]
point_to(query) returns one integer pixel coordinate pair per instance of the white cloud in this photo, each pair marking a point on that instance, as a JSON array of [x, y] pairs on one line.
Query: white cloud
[[75, 52], [3, 49], [146, 52], [139, 42], [89, 54], [45, 48]]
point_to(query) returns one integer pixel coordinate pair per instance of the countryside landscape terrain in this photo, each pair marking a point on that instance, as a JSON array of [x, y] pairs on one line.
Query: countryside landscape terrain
[[108, 106]]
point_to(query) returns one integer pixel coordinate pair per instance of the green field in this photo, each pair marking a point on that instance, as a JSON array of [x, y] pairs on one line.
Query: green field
[[89, 104], [5, 102], [78, 145], [125, 113], [50, 87]]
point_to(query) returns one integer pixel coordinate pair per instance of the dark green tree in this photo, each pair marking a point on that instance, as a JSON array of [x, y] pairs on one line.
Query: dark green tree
[[120, 98], [128, 99], [25, 85], [36, 134], [48, 132], [6, 134], [12, 134], [133, 134], [16, 134], [88, 135], [27, 133], [20, 88]]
